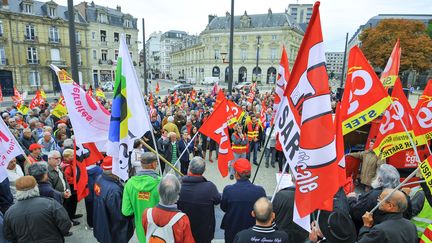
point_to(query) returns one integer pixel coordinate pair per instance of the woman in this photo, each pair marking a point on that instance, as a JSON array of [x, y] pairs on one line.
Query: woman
[[14, 172], [239, 146], [136, 157], [197, 150]]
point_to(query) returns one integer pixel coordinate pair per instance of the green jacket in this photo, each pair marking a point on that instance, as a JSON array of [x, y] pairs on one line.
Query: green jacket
[[140, 192]]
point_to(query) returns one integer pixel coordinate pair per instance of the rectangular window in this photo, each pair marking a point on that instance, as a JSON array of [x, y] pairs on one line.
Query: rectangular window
[[95, 76], [27, 8], [274, 37], [30, 32], [116, 37], [1, 28], [2, 56], [103, 18], [216, 38], [79, 58], [103, 35], [55, 54], [244, 38], [115, 54], [104, 54], [93, 35], [54, 35], [32, 55], [217, 54], [243, 54], [34, 78], [52, 11], [94, 55], [273, 54], [128, 23], [78, 37], [128, 39]]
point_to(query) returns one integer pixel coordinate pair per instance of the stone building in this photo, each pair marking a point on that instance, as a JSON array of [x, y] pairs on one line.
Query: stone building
[[334, 64], [34, 35], [258, 41]]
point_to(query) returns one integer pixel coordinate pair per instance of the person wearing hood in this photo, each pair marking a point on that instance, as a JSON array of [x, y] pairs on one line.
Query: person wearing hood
[[333, 227], [110, 226], [141, 192]]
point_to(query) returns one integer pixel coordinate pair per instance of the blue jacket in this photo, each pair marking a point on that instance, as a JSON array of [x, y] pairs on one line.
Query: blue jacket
[[237, 203], [6, 198], [198, 198], [46, 190], [181, 146], [110, 226]]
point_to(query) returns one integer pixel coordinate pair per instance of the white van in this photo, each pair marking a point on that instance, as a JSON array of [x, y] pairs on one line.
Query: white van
[[210, 80], [191, 81]]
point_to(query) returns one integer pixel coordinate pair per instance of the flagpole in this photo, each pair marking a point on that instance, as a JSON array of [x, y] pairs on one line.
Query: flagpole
[[262, 154], [162, 158], [186, 148], [156, 148], [280, 180]]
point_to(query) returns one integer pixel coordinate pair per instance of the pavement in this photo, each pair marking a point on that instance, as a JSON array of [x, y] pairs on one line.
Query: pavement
[[266, 178]]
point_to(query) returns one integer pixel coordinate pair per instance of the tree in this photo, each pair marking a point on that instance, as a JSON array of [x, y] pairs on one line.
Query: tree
[[416, 44], [429, 28]]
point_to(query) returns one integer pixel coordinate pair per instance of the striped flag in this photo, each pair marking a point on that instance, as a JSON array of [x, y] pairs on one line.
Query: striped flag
[[129, 117]]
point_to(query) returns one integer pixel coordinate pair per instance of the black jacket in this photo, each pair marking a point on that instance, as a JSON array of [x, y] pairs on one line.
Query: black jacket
[[364, 203], [46, 190], [36, 220], [197, 200], [283, 205], [262, 234], [237, 203], [393, 229], [6, 198], [110, 226]]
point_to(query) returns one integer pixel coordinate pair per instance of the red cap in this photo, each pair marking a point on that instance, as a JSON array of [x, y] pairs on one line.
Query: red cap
[[107, 163], [34, 146], [242, 166]]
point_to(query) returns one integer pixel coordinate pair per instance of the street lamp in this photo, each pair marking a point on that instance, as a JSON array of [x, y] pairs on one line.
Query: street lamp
[[224, 55], [231, 49], [257, 58]]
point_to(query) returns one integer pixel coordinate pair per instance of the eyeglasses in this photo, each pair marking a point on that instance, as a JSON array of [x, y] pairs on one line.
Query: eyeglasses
[[55, 157]]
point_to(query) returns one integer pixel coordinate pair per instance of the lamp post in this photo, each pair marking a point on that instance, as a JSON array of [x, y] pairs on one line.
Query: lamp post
[[72, 42], [257, 58], [231, 49]]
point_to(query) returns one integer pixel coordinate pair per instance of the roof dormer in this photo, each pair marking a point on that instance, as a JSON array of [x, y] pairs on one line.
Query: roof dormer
[[51, 9], [27, 6]]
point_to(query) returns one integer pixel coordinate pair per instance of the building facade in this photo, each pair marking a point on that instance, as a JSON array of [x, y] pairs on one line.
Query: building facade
[[334, 64], [258, 41], [153, 48], [167, 42], [300, 12], [105, 26], [34, 35]]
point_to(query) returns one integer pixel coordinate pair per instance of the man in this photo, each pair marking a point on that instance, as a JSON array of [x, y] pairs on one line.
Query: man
[[6, 197], [40, 172], [370, 164], [198, 198], [48, 144], [392, 227], [171, 126], [421, 208], [140, 192], [239, 144], [264, 230], [254, 135], [166, 215], [55, 175], [110, 226], [335, 227], [184, 144], [171, 149], [34, 156], [34, 218], [238, 200], [27, 139], [387, 176]]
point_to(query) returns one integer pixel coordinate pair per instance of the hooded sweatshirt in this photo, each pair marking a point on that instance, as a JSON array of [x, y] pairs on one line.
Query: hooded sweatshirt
[[140, 192]]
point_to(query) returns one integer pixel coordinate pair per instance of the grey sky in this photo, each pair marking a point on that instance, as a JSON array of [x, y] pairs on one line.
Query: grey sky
[[337, 16]]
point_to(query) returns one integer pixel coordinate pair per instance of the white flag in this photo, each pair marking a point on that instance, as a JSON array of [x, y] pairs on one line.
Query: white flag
[[90, 120], [129, 117], [9, 149]]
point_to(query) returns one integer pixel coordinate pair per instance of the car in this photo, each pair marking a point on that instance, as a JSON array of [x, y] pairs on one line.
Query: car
[[243, 85], [181, 87], [181, 81], [210, 80]]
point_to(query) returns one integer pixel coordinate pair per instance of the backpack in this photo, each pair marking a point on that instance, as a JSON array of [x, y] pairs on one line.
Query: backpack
[[165, 234]]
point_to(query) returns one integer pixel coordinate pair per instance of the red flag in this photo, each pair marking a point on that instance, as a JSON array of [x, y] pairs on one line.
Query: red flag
[[283, 76], [176, 99], [423, 113], [1, 94], [308, 95], [251, 95], [215, 89], [193, 95], [391, 71], [364, 97], [85, 154], [392, 136], [219, 98], [90, 92], [17, 98], [37, 101], [151, 101], [157, 88], [216, 128], [263, 113]]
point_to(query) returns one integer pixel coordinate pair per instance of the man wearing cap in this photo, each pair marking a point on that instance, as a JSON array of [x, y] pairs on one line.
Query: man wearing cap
[[141, 192], [263, 230], [34, 156], [34, 218], [109, 224], [238, 201]]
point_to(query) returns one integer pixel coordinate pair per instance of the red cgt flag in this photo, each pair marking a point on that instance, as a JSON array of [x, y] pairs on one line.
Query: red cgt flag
[[193, 95], [392, 136], [391, 71], [17, 98], [1, 94], [263, 113], [308, 95], [364, 97], [157, 88], [85, 154], [216, 128], [283, 76], [37, 101], [423, 113], [251, 95]]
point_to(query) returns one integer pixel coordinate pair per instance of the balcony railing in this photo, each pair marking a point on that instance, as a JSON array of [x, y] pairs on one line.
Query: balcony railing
[[4, 61], [61, 63], [30, 38], [104, 43], [78, 42], [103, 61], [54, 40], [33, 61]]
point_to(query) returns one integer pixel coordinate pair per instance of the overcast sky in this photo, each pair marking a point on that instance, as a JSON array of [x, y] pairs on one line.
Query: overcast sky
[[337, 16]]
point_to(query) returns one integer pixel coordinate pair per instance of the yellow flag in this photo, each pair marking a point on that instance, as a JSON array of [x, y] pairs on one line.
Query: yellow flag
[[42, 93], [100, 93], [60, 109], [23, 109]]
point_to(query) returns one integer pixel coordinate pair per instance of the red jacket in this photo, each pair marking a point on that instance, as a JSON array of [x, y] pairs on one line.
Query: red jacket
[[68, 172], [162, 215]]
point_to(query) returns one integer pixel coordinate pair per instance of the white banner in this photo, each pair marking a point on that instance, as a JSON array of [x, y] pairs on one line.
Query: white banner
[[9, 149]]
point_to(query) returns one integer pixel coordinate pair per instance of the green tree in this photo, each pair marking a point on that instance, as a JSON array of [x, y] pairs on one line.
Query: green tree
[[416, 44], [429, 28]]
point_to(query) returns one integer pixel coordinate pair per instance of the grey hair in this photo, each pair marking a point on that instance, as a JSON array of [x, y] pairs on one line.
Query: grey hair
[[169, 189], [52, 153], [68, 143], [170, 119], [387, 176], [197, 165], [31, 193]]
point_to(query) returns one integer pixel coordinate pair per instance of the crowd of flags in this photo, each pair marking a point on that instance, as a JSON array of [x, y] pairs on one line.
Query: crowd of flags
[[310, 133]]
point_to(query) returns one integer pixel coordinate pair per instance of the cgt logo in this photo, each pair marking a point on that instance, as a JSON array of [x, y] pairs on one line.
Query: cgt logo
[[360, 78], [389, 124], [424, 116], [3, 137]]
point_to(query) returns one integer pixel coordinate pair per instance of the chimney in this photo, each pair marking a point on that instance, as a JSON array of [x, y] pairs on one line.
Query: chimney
[[227, 14], [118, 8], [5, 4], [92, 4], [211, 17], [270, 11]]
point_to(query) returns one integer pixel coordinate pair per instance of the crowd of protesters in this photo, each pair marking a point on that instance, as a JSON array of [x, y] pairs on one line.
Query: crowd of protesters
[[38, 200]]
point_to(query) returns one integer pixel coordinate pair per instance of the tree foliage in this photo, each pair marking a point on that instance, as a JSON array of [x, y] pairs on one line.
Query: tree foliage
[[416, 44]]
